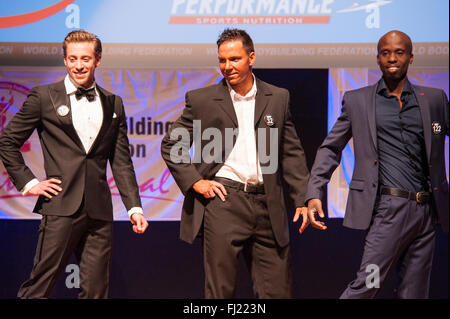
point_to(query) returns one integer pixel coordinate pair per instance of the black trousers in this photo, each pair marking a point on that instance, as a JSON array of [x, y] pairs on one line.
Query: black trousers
[[401, 235], [59, 237], [242, 224]]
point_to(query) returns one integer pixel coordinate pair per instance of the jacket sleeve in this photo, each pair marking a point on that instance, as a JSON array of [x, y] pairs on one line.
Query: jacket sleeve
[[175, 148], [329, 153], [14, 136], [446, 112], [122, 165], [293, 160]]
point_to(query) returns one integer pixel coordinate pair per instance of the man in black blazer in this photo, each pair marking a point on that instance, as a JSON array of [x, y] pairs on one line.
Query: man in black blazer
[[81, 126], [399, 190], [245, 145]]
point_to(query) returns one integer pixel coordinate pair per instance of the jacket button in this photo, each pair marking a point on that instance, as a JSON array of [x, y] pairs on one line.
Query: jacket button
[[374, 185], [375, 162]]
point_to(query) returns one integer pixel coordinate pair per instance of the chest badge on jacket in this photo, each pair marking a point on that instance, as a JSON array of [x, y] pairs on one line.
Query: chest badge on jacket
[[62, 110], [436, 127], [269, 120]]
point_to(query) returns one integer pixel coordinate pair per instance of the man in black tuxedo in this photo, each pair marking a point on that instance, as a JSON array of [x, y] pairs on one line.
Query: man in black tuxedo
[[399, 189], [233, 194], [81, 126]]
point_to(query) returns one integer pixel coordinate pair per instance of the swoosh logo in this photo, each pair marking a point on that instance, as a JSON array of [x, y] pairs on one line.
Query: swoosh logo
[[31, 17]]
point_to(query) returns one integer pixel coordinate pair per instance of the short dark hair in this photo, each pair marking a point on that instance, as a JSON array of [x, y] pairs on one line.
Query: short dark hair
[[236, 34], [83, 36]]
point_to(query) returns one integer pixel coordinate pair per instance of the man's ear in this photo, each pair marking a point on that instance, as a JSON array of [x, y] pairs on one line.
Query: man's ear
[[252, 58], [98, 59]]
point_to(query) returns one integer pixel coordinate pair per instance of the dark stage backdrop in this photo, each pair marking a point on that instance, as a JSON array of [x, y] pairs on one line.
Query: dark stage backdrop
[[158, 265]]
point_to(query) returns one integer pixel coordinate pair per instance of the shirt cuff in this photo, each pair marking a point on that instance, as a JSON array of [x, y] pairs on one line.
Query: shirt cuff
[[29, 186], [135, 210]]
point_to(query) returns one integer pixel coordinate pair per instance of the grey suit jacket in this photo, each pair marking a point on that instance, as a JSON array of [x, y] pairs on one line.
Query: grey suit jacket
[[83, 175], [213, 107], [357, 120]]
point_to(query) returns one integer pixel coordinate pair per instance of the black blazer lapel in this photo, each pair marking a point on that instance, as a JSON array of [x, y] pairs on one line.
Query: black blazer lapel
[[59, 97], [370, 102], [262, 98], [107, 101], [426, 122], [223, 98]]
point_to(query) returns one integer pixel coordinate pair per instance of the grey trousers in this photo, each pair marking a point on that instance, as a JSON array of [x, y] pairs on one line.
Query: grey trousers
[[59, 237], [242, 224], [401, 235]]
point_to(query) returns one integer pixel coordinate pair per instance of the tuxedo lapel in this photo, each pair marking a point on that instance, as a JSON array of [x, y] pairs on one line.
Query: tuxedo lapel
[[224, 100], [262, 99], [60, 98], [425, 114], [107, 101], [371, 113]]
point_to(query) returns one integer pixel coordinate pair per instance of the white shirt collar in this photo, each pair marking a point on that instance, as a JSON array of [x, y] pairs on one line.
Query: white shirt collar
[[72, 87], [250, 94]]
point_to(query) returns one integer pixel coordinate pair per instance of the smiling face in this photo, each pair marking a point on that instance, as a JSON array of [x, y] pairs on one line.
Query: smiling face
[[236, 65], [394, 55], [80, 61]]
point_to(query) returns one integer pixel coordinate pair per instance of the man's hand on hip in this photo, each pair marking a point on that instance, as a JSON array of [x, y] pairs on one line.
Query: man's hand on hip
[[210, 189], [46, 188]]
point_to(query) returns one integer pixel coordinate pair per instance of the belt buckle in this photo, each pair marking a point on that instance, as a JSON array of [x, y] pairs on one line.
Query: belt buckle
[[421, 197]]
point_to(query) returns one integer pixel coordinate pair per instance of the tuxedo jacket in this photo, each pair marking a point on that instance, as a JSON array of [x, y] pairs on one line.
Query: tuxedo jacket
[[213, 107], [83, 175], [357, 120]]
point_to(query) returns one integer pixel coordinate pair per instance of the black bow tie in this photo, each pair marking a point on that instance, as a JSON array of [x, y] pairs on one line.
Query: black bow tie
[[88, 93]]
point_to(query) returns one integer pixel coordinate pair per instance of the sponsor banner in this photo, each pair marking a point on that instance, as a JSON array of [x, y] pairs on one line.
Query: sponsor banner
[[200, 21], [342, 80], [153, 100], [182, 33], [140, 55]]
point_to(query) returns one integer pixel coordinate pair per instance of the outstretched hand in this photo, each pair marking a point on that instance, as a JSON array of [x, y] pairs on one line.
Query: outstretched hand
[[315, 207], [303, 211]]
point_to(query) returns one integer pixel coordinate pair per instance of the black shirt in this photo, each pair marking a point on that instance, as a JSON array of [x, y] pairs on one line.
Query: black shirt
[[401, 145]]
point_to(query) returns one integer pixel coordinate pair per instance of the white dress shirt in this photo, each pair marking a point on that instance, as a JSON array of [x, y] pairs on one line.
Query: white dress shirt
[[87, 119], [242, 164]]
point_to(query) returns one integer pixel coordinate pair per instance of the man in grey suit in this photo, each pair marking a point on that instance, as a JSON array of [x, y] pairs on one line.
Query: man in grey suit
[[398, 190], [81, 127], [248, 144]]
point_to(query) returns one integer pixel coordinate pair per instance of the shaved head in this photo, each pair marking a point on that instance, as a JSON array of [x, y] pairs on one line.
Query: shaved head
[[394, 56], [396, 34]]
